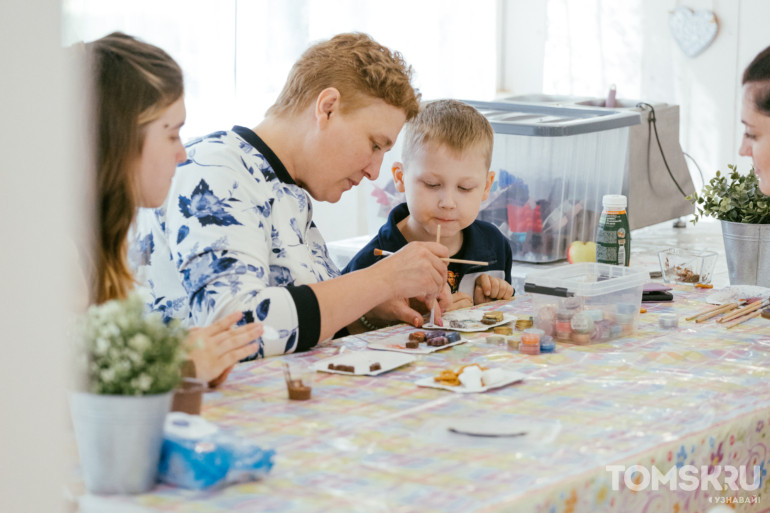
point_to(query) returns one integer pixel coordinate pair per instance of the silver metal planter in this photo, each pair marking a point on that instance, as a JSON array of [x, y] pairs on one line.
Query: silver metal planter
[[747, 248], [119, 440]]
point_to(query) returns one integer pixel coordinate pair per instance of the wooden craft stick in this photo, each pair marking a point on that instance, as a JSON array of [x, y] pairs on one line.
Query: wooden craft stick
[[382, 252], [726, 308], [743, 319], [433, 307], [742, 311]]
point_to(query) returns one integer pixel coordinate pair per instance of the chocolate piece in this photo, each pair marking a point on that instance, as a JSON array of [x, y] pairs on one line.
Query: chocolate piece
[[434, 334], [332, 366], [375, 367], [437, 341], [419, 336], [453, 336], [412, 344]]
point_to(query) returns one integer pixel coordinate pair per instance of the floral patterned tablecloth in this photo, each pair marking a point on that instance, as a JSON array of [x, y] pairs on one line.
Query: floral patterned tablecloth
[[694, 397]]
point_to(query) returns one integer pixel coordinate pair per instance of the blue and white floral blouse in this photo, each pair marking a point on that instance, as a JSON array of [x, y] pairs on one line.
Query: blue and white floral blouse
[[236, 234]]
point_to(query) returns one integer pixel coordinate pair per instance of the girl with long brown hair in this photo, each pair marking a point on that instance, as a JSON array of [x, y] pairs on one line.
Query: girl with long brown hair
[[138, 113]]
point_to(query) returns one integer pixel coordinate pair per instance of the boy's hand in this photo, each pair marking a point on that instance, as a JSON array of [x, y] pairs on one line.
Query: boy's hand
[[491, 289], [460, 300]]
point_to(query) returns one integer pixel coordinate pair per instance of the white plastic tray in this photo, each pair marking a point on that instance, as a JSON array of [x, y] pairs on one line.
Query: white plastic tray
[[507, 378], [362, 360], [397, 343], [470, 319]]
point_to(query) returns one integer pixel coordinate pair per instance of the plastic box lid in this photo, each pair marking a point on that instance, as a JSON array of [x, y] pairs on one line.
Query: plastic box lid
[[544, 120], [585, 279]]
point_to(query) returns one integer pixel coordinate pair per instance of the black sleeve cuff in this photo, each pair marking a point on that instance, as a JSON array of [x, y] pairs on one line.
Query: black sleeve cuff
[[308, 316]]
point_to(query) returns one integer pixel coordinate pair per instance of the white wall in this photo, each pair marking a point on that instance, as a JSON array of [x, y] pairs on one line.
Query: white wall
[[707, 87], [35, 220]]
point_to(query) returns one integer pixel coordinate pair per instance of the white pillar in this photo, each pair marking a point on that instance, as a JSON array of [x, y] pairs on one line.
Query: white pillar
[[37, 216]]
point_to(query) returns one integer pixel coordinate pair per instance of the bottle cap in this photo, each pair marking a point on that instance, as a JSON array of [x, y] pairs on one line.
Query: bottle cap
[[614, 201]]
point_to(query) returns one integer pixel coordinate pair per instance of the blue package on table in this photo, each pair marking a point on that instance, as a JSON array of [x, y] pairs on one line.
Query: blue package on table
[[197, 455]]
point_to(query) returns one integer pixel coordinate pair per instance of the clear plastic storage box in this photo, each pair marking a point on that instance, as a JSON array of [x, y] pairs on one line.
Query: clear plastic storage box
[[587, 303], [553, 164]]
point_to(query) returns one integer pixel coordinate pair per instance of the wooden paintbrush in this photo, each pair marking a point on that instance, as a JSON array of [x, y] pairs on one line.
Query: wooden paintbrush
[[382, 252], [745, 318], [743, 311], [712, 312]]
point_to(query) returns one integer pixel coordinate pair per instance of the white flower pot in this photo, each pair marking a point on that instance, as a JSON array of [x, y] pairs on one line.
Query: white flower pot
[[747, 248], [119, 440]]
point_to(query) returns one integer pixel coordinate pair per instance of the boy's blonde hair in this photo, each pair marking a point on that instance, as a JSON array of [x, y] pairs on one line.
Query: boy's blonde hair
[[356, 65], [449, 122]]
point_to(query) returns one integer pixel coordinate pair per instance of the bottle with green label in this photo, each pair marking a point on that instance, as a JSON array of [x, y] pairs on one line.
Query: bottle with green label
[[613, 238]]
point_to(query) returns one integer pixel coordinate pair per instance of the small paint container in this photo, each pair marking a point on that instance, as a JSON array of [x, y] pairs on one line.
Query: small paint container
[[503, 330], [564, 314], [627, 309], [580, 339], [564, 334], [601, 331], [668, 321], [496, 340], [572, 303], [531, 349], [513, 343], [547, 312], [615, 330], [624, 318], [596, 315], [531, 336], [582, 323], [547, 345]]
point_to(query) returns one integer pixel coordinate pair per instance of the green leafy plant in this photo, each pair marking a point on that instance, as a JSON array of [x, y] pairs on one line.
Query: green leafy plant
[[732, 197], [126, 351]]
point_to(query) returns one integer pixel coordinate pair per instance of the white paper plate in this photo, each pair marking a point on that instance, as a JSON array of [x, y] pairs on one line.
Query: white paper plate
[[362, 360], [397, 343], [736, 293], [470, 321], [507, 377]]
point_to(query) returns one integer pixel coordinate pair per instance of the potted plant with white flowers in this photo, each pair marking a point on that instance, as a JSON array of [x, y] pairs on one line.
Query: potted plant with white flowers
[[744, 212], [131, 363]]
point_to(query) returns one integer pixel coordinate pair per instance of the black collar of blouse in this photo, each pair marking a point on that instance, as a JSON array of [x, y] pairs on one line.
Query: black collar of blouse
[[252, 138]]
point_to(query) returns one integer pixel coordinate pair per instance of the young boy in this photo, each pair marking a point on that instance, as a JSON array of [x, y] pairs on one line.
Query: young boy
[[445, 174]]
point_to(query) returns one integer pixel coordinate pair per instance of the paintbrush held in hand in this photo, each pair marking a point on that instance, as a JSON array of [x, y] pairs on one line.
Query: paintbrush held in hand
[[382, 252]]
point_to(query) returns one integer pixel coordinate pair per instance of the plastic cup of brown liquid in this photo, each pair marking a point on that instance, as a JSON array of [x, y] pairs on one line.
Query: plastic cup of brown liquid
[[299, 380]]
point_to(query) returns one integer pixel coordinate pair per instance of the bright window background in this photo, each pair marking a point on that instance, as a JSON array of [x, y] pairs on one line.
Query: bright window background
[[236, 55], [591, 45]]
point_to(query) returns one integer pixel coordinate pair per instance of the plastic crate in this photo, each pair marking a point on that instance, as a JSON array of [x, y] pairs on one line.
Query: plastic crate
[[553, 165], [587, 303]]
